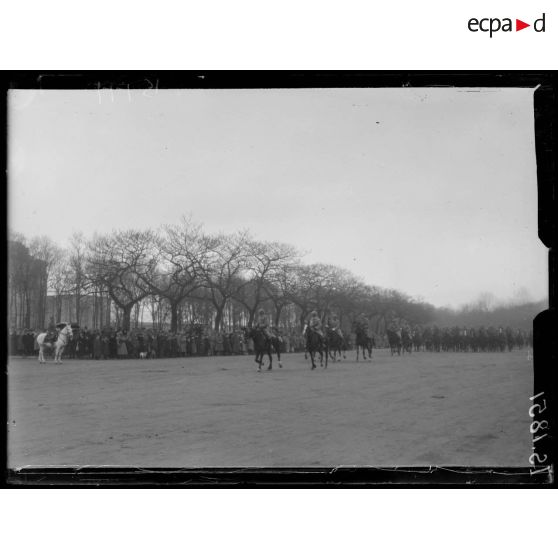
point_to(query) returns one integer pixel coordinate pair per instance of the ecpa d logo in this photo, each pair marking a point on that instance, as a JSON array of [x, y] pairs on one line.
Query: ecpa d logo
[[493, 25]]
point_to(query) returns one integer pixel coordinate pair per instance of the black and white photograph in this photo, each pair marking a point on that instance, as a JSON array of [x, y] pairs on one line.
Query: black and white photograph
[[282, 277]]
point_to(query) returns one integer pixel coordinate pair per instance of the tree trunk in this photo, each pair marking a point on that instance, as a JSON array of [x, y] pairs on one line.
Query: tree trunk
[[251, 314], [126, 314], [20, 314], [27, 311], [78, 305], [58, 309], [219, 316], [278, 310], [174, 315], [95, 310]]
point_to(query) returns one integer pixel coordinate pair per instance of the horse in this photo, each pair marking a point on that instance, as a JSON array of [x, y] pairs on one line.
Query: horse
[[315, 343], [406, 341], [264, 346], [417, 339], [65, 334], [394, 340], [336, 344], [363, 341]]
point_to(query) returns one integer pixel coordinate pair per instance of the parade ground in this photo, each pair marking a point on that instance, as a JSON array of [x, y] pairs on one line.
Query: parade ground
[[468, 409]]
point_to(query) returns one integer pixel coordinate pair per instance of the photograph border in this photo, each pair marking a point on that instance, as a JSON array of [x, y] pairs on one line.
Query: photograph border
[[545, 331]]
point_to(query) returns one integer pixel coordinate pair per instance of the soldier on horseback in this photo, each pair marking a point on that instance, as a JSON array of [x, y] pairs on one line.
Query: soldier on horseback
[[263, 324], [51, 332], [264, 340], [316, 342], [51, 336], [362, 324], [394, 325], [334, 325], [315, 324]]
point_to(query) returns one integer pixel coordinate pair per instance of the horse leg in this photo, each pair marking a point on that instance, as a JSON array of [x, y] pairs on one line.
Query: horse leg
[[278, 351], [312, 359], [270, 357]]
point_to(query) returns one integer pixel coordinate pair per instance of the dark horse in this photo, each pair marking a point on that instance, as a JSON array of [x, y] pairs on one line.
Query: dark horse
[[316, 344], [264, 346], [336, 344], [406, 341], [394, 340], [363, 341]]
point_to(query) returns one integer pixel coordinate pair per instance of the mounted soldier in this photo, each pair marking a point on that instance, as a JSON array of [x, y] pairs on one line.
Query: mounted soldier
[[394, 325], [316, 341], [265, 342], [362, 324], [334, 325], [363, 339], [315, 324], [263, 324], [51, 336]]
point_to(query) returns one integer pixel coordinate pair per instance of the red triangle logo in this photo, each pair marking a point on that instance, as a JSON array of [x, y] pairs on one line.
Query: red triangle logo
[[519, 25]]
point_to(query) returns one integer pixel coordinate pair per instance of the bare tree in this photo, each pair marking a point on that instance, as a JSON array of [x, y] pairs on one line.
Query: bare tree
[[264, 262], [44, 249], [179, 251], [221, 265], [120, 263], [60, 282], [77, 260], [281, 287]]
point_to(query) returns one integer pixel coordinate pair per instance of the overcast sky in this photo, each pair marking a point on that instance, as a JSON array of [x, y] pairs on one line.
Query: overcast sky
[[430, 191]]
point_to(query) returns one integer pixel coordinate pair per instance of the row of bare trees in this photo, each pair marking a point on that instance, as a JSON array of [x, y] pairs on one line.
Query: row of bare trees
[[183, 265]]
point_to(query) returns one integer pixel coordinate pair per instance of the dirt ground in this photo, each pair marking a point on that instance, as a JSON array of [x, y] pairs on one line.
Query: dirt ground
[[422, 409]]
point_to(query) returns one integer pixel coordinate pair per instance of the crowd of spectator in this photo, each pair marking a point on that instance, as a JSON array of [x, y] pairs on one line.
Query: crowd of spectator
[[114, 343]]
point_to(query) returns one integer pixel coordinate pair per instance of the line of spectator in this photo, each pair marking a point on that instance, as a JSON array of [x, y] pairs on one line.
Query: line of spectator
[[112, 343]]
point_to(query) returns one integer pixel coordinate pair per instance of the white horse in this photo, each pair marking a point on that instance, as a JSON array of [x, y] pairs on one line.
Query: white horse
[[64, 335]]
